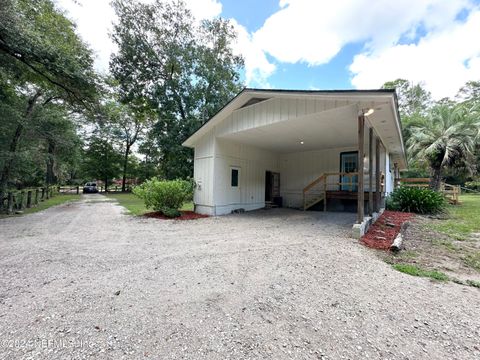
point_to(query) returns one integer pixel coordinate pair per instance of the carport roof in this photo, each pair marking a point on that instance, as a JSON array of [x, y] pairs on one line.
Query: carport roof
[[250, 96]]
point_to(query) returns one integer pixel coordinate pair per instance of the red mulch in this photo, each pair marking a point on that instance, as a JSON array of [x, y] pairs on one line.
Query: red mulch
[[186, 215], [380, 235]]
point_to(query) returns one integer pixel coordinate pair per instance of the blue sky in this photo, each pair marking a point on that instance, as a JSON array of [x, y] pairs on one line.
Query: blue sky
[[323, 44], [333, 75], [426, 27]]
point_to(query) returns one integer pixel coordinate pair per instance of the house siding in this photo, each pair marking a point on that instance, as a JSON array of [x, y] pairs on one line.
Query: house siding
[[253, 163]]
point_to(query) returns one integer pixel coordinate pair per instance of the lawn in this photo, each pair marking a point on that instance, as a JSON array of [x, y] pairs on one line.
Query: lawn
[[444, 249], [56, 200], [464, 219], [136, 206]]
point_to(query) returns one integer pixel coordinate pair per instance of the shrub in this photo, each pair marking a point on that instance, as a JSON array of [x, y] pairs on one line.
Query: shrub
[[416, 200], [165, 196], [473, 185]]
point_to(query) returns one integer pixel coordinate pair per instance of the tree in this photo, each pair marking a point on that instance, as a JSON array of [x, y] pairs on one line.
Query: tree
[[102, 161], [444, 139], [128, 126], [470, 93], [43, 60], [412, 98], [60, 142], [182, 70]]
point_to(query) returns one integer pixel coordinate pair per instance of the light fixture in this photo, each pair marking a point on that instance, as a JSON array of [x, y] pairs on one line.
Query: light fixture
[[301, 142], [369, 112]]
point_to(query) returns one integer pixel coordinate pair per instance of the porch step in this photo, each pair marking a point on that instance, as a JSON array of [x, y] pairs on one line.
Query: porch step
[[270, 205], [313, 202]]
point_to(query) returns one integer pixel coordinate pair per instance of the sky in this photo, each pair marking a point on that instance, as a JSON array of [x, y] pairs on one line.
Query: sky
[[325, 44]]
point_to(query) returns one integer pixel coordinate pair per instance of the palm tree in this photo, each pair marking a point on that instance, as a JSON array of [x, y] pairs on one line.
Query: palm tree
[[445, 138]]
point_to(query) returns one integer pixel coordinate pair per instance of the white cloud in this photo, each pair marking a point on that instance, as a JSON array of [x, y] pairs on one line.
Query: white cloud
[[257, 66], [315, 31], [443, 60], [94, 23], [94, 20]]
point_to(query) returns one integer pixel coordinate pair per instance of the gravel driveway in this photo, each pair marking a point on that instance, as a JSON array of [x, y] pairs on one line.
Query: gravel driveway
[[83, 280]]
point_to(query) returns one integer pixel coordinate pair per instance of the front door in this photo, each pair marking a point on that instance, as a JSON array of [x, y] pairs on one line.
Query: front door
[[272, 185], [349, 164]]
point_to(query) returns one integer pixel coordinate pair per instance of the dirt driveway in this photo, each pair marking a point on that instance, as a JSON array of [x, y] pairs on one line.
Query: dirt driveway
[[83, 280]]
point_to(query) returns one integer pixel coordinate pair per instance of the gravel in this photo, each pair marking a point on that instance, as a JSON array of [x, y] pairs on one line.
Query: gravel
[[83, 280]]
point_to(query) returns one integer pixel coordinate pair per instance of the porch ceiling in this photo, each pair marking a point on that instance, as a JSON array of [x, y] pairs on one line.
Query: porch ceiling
[[325, 130]]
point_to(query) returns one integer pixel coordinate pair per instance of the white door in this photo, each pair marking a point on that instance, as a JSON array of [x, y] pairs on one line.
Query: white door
[[235, 185]]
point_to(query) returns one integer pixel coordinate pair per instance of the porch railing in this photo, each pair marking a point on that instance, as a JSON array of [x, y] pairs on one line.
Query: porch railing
[[317, 190]]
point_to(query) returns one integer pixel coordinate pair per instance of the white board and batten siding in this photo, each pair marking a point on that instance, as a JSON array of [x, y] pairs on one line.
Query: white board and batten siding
[[214, 162], [215, 157], [274, 110]]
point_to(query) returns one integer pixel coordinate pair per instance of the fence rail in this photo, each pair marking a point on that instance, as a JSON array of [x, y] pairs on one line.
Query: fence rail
[[451, 192], [18, 200]]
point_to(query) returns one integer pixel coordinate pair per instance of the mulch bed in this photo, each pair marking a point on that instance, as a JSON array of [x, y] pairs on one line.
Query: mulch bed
[[186, 215], [386, 228]]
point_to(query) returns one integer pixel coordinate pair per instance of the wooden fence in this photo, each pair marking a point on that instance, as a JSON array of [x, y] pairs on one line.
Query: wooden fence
[[451, 192], [19, 200]]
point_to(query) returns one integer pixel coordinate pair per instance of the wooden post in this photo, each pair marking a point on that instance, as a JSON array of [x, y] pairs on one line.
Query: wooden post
[[29, 199], [370, 172], [78, 189], [10, 203], [22, 196], [395, 175], [36, 196], [377, 175], [360, 187], [325, 193]]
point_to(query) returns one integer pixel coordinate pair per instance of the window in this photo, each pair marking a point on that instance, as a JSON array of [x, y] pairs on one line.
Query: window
[[234, 178]]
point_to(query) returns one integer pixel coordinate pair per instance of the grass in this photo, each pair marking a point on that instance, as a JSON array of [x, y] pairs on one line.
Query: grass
[[136, 206], [473, 260], [417, 271], [473, 283], [463, 218], [56, 200]]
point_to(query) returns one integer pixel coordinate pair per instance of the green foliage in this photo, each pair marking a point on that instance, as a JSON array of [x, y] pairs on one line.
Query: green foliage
[[417, 271], [473, 260], [181, 69], [444, 139], [473, 283], [412, 98], [473, 185], [416, 200], [136, 206], [166, 196], [39, 46], [101, 160]]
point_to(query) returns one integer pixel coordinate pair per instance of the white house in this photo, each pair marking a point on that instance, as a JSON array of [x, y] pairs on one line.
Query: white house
[[300, 149]]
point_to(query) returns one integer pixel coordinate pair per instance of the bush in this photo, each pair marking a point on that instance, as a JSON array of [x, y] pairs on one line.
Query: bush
[[165, 196], [473, 185], [416, 200]]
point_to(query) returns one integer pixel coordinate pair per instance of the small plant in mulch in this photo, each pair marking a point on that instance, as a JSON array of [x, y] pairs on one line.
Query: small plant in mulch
[[386, 228], [184, 215]]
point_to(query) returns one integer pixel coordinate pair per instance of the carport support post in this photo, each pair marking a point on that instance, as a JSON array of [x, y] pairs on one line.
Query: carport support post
[[395, 175], [360, 188], [370, 171], [377, 175]]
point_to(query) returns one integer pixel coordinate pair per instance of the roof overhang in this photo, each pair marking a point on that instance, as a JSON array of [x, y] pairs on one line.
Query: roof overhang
[[385, 120]]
